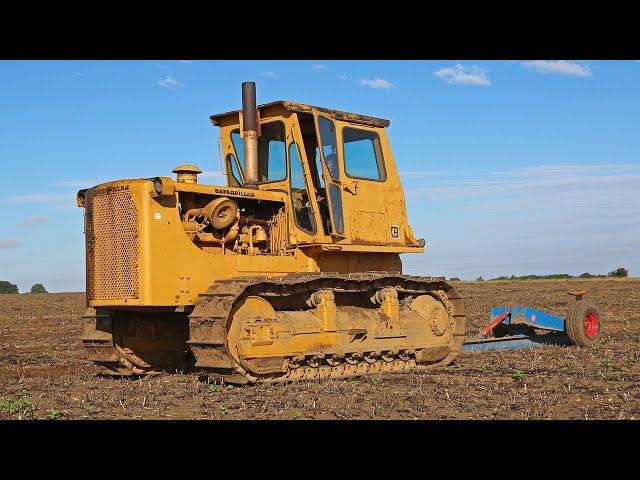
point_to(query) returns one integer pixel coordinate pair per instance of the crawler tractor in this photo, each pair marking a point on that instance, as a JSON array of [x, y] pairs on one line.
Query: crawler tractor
[[289, 271]]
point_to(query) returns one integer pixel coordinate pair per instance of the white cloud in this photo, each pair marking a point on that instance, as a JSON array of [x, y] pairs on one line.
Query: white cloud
[[343, 76], [169, 82], [561, 67], [6, 243], [34, 220], [269, 74], [211, 174], [558, 170], [78, 183], [185, 61], [319, 67], [67, 207], [380, 83], [567, 218], [39, 198], [628, 247], [423, 173], [464, 75], [529, 181]]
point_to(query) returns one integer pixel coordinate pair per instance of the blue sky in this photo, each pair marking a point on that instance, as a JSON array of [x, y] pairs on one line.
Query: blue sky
[[509, 167]]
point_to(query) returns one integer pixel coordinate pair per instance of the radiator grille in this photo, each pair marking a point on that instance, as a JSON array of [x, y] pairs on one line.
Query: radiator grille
[[112, 246]]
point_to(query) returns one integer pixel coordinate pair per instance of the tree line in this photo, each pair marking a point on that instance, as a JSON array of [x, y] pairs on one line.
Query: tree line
[[620, 272], [8, 287]]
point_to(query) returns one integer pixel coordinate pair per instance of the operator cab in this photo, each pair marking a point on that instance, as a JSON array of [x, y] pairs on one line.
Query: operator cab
[[336, 168]]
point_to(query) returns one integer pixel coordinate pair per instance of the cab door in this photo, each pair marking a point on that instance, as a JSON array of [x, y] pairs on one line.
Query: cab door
[[368, 199], [362, 189], [328, 148], [305, 216]]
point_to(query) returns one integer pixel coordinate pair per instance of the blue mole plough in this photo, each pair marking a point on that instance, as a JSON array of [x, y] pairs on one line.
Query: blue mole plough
[[513, 328]]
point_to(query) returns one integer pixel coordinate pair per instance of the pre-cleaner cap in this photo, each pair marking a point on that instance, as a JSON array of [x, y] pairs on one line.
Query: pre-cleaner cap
[[187, 173]]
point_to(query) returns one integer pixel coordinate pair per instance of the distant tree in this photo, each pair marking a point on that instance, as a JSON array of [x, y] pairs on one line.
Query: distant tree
[[7, 287], [480, 279], [586, 275], [454, 279], [619, 272], [38, 288]]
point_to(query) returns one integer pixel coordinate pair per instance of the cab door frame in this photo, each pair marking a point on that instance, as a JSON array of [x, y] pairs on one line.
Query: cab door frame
[[294, 136], [331, 183]]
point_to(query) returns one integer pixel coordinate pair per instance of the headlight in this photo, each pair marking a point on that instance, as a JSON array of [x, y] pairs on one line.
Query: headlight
[[162, 187], [80, 197]]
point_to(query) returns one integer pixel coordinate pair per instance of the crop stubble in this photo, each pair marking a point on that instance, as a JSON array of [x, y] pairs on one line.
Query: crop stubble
[[43, 370]]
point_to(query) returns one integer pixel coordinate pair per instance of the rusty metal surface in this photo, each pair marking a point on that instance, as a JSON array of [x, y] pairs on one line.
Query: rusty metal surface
[[250, 135], [187, 173], [304, 108], [135, 343], [249, 114]]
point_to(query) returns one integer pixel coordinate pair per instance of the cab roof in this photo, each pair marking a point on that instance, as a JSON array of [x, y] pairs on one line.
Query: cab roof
[[304, 108]]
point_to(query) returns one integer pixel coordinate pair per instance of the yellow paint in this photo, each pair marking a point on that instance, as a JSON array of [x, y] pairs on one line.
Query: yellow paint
[[169, 269]]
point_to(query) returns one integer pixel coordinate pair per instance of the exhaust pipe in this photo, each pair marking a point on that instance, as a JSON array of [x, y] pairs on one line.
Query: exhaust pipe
[[250, 135]]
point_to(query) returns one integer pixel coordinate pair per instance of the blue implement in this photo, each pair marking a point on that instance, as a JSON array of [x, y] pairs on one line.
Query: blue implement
[[514, 342], [529, 316], [519, 324]]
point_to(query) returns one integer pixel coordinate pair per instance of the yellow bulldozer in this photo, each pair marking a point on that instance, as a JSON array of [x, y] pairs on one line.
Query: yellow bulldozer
[[289, 271]]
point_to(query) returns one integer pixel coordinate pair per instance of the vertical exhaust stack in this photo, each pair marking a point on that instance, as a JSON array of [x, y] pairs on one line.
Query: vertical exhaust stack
[[250, 134]]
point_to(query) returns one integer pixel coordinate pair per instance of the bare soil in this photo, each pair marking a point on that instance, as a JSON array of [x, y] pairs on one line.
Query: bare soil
[[44, 372]]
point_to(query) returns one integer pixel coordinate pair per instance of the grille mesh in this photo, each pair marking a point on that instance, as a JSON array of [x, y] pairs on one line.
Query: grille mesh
[[112, 246]]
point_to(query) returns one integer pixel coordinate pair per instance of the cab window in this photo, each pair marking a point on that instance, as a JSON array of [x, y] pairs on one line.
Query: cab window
[[235, 178], [363, 154], [336, 205], [238, 146], [318, 164], [329, 146], [272, 160], [299, 193]]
